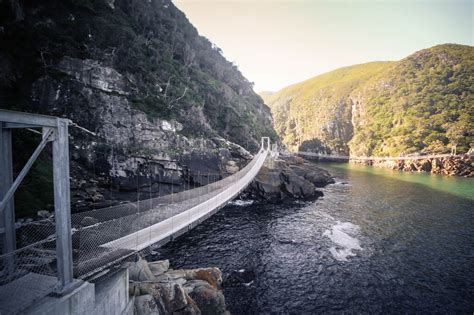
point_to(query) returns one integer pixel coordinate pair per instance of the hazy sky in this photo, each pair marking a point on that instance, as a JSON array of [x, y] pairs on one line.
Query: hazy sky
[[279, 42]]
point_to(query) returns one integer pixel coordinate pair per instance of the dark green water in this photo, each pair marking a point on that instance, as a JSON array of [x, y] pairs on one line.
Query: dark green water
[[459, 186], [378, 242]]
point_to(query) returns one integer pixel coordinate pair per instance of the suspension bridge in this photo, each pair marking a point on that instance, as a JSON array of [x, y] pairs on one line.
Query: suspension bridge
[[59, 252]]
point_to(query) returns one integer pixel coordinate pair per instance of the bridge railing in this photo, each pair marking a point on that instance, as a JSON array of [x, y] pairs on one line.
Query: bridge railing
[[102, 238]]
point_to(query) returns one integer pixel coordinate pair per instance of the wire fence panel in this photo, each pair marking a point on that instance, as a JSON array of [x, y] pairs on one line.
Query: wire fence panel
[[33, 266]]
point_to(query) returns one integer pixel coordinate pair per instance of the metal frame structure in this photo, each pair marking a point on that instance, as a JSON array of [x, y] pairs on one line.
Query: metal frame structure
[[54, 130], [266, 140]]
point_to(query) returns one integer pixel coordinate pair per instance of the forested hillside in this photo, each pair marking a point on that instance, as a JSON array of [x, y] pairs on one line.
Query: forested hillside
[[421, 104], [170, 71], [165, 105]]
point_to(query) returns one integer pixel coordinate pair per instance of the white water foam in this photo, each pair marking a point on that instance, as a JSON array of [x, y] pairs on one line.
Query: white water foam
[[342, 234], [241, 203]]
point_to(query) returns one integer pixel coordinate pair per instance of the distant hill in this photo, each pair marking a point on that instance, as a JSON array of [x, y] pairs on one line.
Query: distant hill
[[422, 103]]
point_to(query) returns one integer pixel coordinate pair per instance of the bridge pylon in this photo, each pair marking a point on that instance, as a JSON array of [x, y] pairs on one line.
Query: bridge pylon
[[266, 143]]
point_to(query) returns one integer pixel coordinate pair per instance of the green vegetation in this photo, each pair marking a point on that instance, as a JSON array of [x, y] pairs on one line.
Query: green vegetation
[[173, 72], [168, 71], [423, 103], [36, 190]]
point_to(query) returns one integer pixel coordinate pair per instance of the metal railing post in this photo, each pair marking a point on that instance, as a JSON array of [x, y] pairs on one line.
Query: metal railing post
[[62, 207], [7, 219]]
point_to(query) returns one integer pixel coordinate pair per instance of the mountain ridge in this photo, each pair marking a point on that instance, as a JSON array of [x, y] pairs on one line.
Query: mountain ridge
[[370, 108]]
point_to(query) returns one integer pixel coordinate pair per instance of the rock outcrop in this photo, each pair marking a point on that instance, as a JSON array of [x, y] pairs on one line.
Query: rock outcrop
[[288, 179], [160, 290], [452, 165]]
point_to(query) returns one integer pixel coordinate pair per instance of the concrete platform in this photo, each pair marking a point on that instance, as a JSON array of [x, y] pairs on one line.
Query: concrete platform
[[107, 297], [21, 293], [81, 300]]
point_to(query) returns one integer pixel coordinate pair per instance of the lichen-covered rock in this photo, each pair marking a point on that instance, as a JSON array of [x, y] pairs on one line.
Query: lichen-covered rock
[[139, 271], [208, 299], [211, 275], [183, 292], [140, 288], [159, 267], [190, 309], [145, 305]]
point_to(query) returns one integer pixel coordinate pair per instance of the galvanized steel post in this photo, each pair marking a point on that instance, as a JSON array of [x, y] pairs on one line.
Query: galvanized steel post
[[62, 206], [7, 219]]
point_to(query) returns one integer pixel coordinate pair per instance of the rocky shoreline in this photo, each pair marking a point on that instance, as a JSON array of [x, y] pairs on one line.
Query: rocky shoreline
[[451, 165], [157, 289]]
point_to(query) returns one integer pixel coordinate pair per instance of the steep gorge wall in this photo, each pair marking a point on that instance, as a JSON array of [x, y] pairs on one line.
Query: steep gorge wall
[[166, 107], [420, 104]]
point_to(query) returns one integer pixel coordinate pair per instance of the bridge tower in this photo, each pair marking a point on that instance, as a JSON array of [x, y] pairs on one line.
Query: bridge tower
[[266, 143], [54, 130]]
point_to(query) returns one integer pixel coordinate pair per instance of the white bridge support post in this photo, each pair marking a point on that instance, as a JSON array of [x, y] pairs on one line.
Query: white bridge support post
[[266, 143]]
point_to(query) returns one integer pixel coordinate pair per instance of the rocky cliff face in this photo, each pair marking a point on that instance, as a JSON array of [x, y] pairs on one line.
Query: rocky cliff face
[[168, 111], [420, 104], [451, 165]]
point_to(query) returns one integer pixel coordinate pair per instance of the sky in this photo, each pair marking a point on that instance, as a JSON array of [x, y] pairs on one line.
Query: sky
[[276, 43]]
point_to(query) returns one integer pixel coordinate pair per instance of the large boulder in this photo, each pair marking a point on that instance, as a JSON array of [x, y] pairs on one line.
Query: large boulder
[[213, 276], [140, 271], [297, 186], [190, 309], [208, 299], [159, 267], [291, 179], [146, 305], [424, 166], [317, 176]]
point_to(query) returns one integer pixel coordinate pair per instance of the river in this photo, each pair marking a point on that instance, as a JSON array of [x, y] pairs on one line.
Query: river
[[379, 241]]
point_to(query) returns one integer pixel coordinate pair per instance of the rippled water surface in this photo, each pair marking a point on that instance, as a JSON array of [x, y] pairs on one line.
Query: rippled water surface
[[376, 242]]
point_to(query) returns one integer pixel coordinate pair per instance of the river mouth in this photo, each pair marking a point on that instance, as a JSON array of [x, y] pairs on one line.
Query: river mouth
[[371, 244]]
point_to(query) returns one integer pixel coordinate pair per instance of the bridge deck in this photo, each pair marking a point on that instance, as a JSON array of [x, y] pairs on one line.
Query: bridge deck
[[167, 227]]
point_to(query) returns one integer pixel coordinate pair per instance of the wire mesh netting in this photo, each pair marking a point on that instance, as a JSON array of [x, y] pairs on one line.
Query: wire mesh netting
[[33, 266], [104, 236]]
